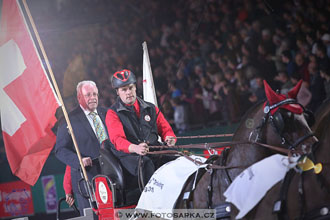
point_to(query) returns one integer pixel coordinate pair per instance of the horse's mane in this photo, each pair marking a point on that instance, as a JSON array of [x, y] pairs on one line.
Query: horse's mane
[[323, 109], [322, 115], [248, 113], [326, 124]]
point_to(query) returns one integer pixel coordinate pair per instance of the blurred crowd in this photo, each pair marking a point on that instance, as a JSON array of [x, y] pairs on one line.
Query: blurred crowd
[[209, 57]]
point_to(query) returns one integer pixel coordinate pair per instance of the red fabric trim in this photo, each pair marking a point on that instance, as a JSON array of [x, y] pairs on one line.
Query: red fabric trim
[[67, 184], [163, 127], [116, 131], [137, 108]]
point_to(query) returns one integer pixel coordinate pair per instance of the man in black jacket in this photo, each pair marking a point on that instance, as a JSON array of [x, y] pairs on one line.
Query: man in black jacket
[[133, 124]]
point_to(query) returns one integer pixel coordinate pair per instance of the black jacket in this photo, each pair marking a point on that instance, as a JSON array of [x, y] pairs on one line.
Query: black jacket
[[138, 130]]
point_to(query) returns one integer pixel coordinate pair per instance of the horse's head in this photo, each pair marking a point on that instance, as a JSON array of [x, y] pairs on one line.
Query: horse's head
[[289, 120]]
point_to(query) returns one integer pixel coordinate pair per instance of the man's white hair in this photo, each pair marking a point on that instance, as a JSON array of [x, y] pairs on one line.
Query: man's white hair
[[82, 83]]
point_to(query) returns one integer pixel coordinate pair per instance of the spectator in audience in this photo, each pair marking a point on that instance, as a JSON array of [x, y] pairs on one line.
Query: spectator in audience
[[325, 74], [196, 103], [228, 36], [180, 115], [229, 103], [326, 41], [168, 111], [207, 94], [266, 65], [260, 91], [321, 54], [285, 83], [302, 67], [174, 89], [266, 38], [230, 76], [245, 98], [311, 41], [316, 87], [181, 81], [288, 61]]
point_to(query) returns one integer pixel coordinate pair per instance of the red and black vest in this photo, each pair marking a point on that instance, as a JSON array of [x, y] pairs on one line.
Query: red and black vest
[[138, 130]]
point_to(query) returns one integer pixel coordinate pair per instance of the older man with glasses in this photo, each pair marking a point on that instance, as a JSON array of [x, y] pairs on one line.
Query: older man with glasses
[[88, 124]]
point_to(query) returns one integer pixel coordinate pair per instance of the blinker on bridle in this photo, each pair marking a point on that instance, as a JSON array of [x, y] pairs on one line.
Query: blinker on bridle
[[267, 110]]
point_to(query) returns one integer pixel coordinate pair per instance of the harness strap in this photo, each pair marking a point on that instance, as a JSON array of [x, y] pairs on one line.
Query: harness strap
[[286, 102], [140, 174], [279, 149], [223, 163], [322, 213], [223, 211], [280, 205], [258, 128], [188, 195], [300, 140], [210, 189], [301, 194]]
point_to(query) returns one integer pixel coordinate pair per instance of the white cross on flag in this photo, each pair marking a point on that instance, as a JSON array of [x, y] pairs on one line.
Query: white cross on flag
[[28, 102]]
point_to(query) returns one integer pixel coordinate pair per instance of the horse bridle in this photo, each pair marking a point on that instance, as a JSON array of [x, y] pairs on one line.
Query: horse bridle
[[273, 118], [291, 147]]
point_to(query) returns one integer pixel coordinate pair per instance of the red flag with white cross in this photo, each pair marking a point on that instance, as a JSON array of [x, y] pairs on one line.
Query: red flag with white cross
[[28, 101]]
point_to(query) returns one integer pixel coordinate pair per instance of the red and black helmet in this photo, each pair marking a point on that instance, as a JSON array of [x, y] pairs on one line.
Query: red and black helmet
[[122, 78]]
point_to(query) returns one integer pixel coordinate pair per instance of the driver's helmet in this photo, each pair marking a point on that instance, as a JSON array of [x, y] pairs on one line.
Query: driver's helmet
[[122, 78]]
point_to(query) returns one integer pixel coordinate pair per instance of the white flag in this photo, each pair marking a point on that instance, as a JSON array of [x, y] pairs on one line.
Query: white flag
[[149, 93]]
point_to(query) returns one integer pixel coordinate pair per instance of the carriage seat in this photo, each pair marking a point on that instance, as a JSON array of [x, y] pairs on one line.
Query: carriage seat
[[125, 193]]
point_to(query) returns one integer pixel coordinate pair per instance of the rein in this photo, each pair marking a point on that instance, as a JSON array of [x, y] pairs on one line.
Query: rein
[[204, 136], [210, 166], [208, 146], [218, 144]]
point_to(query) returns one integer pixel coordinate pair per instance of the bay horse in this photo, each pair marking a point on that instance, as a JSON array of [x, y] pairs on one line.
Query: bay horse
[[307, 195], [279, 121]]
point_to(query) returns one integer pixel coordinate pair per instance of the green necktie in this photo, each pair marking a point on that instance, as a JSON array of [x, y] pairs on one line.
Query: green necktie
[[100, 133]]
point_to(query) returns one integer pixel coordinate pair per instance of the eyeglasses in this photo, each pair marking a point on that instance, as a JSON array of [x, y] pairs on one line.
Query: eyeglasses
[[89, 95], [122, 75]]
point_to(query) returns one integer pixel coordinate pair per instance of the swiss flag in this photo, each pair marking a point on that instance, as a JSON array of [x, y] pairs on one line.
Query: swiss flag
[[28, 102]]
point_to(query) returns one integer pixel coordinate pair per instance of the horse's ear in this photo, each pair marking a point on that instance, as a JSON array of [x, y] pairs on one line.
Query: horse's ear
[[294, 91], [272, 96]]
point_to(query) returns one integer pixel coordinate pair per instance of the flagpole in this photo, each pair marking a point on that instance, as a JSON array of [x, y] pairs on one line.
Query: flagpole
[[56, 88]]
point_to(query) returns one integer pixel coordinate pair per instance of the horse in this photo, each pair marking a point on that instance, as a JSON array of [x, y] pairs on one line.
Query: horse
[[308, 194], [321, 115], [278, 122]]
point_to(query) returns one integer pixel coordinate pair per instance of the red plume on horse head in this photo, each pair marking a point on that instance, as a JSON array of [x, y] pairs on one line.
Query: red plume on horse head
[[273, 98]]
